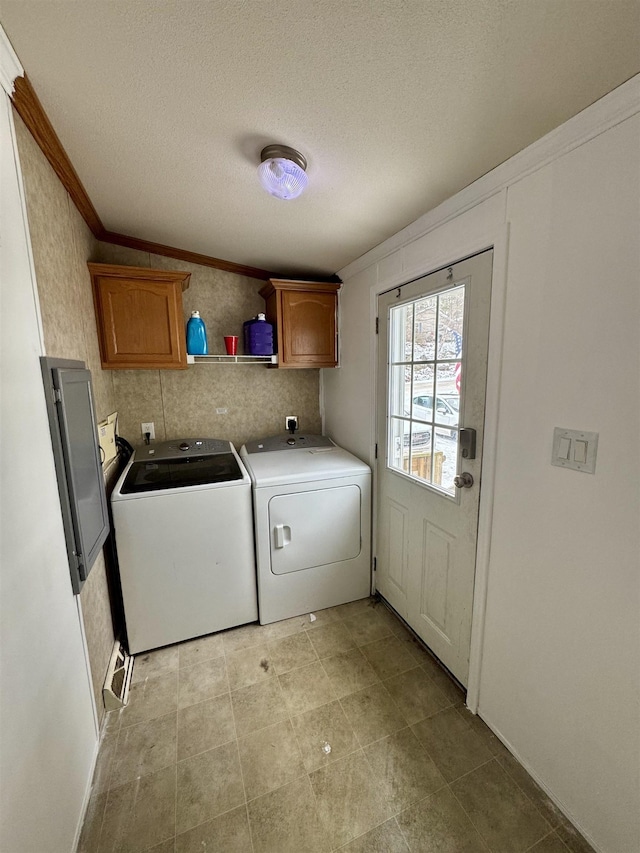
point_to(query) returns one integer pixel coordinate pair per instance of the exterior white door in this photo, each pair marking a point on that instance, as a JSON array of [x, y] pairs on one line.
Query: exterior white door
[[433, 340]]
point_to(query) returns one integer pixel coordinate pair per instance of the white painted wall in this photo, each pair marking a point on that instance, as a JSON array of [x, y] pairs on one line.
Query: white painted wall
[[560, 665], [562, 639], [48, 737]]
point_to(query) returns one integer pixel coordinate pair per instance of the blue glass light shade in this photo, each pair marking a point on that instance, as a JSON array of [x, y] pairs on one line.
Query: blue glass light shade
[[282, 171]]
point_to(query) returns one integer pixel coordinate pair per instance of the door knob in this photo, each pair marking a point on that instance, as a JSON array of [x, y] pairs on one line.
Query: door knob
[[463, 481]]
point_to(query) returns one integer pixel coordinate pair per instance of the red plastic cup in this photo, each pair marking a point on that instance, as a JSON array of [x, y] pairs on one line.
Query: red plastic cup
[[231, 344]]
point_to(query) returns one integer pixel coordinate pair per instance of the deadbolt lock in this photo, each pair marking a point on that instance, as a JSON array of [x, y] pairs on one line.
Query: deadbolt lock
[[468, 443]]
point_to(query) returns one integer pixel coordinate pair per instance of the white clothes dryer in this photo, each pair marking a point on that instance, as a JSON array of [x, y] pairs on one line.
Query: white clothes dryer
[[312, 524], [184, 537]]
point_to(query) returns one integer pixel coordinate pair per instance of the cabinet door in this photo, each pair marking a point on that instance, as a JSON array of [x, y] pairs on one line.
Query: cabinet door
[[308, 329], [142, 323]]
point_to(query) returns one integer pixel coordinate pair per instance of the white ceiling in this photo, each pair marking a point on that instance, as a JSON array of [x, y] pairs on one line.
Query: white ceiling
[[163, 107]]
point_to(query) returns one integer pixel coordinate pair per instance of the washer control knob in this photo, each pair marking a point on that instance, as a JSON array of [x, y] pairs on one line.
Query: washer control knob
[[183, 446], [291, 441]]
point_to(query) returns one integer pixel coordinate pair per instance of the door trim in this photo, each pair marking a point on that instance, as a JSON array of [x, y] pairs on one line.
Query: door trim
[[499, 243]]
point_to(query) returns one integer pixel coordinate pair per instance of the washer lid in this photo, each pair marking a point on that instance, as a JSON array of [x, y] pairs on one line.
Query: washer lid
[[300, 466], [154, 475]]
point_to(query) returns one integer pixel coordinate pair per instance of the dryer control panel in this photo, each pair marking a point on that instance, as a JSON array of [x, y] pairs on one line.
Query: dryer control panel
[[287, 442]]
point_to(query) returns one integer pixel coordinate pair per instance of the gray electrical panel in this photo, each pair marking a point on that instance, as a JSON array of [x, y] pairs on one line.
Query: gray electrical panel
[[76, 451]]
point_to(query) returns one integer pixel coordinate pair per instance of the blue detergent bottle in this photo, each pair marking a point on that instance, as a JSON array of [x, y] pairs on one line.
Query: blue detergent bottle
[[196, 335]]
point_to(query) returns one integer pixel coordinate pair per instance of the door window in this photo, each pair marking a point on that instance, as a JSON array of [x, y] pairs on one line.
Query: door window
[[426, 354]]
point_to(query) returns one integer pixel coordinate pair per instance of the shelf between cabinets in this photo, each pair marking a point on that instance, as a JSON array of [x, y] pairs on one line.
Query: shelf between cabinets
[[232, 359]]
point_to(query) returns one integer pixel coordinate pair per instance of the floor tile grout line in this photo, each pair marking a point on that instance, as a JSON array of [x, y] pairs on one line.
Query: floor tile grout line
[[226, 692], [468, 816], [208, 820], [306, 772], [175, 805], [300, 666], [353, 752], [413, 805], [432, 757], [279, 788], [356, 733], [437, 713], [244, 787], [334, 761], [418, 802], [473, 770], [246, 811], [553, 832], [115, 751], [428, 716], [196, 640], [203, 751], [337, 698], [397, 732], [199, 663], [107, 786], [124, 725], [315, 797], [317, 807], [362, 834], [404, 837], [104, 814], [461, 804], [113, 787], [322, 705], [420, 799], [531, 800], [522, 790], [297, 740]]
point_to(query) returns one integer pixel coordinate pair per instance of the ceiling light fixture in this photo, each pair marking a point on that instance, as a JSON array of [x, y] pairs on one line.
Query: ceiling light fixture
[[282, 171]]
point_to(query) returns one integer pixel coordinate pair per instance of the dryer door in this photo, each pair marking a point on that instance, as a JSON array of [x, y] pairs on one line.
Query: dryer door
[[314, 528]]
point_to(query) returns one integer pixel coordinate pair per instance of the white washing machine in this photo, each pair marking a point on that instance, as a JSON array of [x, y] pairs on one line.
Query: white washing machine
[[312, 522], [184, 535]]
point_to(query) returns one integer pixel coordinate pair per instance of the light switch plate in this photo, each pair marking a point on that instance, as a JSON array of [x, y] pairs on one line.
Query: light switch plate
[[575, 449]]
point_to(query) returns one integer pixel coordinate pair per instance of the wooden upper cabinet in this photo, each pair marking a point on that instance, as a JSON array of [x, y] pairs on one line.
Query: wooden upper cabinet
[[139, 316], [304, 315]]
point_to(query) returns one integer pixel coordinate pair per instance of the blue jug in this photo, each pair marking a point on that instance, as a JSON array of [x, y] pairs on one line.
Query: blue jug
[[196, 335]]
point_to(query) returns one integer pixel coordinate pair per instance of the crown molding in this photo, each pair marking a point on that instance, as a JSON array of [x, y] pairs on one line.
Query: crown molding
[[10, 66], [31, 111], [613, 108], [28, 106], [184, 255]]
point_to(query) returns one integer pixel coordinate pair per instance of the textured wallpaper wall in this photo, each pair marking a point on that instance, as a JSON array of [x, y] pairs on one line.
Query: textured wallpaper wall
[[183, 403], [180, 402], [62, 244]]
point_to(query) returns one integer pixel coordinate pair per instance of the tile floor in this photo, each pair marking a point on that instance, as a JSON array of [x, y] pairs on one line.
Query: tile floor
[[337, 734]]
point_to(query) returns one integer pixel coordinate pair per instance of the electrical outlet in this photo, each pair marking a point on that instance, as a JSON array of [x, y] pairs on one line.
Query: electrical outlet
[[290, 418], [149, 428]]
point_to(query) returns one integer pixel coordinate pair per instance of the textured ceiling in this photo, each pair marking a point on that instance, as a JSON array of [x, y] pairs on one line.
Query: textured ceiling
[[163, 107]]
